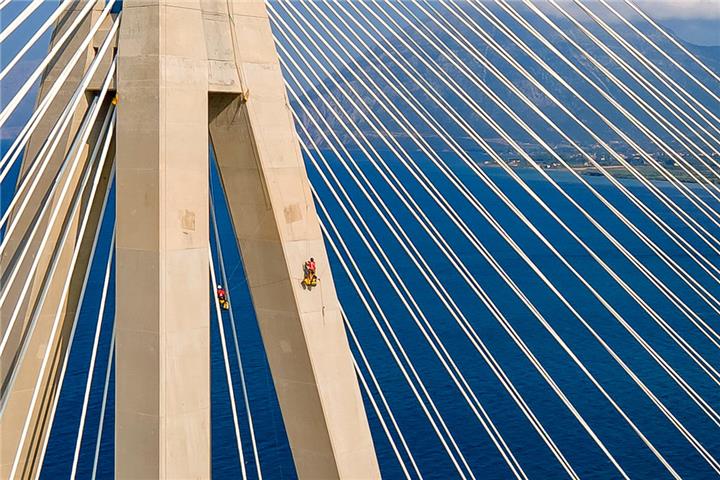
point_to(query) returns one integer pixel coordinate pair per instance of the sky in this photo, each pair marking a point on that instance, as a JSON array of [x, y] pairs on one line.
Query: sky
[[682, 9], [696, 21]]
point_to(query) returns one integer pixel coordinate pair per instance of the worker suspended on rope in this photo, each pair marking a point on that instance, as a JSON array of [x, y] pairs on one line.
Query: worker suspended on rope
[[222, 298], [310, 279]]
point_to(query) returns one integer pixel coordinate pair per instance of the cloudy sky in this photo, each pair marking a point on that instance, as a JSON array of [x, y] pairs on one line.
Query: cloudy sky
[[678, 9], [697, 21]]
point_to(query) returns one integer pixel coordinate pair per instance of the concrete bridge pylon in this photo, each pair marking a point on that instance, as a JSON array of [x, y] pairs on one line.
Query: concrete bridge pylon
[[192, 73], [186, 67]]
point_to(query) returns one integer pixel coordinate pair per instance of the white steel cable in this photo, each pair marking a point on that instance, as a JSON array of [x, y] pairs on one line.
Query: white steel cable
[[510, 390], [17, 21], [39, 33], [376, 384], [54, 257], [679, 379], [408, 299], [13, 153], [101, 423], [226, 359], [706, 184], [667, 292], [676, 237], [106, 144], [380, 416], [32, 323], [66, 186], [381, 419], [676, 337], [474, 339], [378, 310], [402, 296], [660, 50], [52, 141], [454, 310], [464, 324], [21, 140], [438, 129], [653, 398], [223, 274], [93, 356], [646, 107], [60, 44], [378, 199], [459, 64], [672, 39], [360, 276], [58, 314], [37, 168], [526, 351], [668, 202], [83, 135], [4, 3], [651, 89], [372, 312], [29, 127], [675, 299], [53, 410], [665, 79], [376, 89], [689, 279], [424, 268], [372, 374], [33, 176]]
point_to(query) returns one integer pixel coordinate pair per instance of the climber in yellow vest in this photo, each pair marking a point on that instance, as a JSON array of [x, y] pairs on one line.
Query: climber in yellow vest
[[222, 298], [311, 278]]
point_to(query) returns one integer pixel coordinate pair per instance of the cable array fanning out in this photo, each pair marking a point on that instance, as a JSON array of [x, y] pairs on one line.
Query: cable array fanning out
[[521, 202]]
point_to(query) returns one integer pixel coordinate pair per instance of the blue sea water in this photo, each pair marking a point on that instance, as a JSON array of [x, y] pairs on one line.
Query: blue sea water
[[587, 458]]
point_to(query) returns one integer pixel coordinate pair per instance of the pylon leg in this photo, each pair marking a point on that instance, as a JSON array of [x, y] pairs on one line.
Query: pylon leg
[[21, 360], [162, 413], [277, 229]]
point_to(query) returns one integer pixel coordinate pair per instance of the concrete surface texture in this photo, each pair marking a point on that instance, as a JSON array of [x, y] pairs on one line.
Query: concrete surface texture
[[165, 82], [162, 412], [187, 70]]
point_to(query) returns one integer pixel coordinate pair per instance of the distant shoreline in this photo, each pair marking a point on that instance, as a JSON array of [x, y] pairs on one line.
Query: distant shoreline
[[620, 172], [617, 171]]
